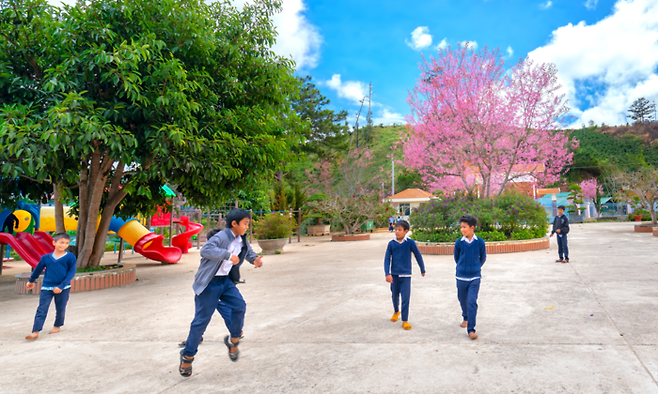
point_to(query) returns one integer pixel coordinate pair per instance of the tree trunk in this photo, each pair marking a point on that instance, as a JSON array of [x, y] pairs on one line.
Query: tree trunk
[[100, 167], [83, 212], [59, 208], [116, 195]]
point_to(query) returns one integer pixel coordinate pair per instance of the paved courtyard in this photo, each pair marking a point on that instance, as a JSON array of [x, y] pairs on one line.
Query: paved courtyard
[[318, 321]]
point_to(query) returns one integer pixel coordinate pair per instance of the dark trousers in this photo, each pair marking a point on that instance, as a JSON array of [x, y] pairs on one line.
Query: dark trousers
[[45, 299], [467, 293], [562, 248], [401, 287], [220, 290]]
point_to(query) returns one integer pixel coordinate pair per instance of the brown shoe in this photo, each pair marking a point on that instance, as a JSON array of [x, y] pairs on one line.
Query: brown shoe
[[565, 261], [473, 335], [559, 261]]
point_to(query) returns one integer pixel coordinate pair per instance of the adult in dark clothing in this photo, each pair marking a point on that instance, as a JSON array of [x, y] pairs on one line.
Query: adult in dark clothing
[[561, 228], [11, 222]]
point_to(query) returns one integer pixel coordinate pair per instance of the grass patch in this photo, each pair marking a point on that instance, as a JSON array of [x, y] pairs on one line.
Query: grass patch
[[98, 268]]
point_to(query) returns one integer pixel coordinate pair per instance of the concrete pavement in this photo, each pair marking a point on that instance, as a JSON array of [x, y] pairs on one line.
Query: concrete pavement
[[318, 321]]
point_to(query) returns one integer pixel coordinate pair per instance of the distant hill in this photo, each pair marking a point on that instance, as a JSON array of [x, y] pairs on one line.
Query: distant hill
[[647, 131]]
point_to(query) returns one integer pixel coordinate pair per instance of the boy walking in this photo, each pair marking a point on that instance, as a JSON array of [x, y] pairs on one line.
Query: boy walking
[[60, 269], [470, 255], [397, 268], [561, 228], [213, 285]]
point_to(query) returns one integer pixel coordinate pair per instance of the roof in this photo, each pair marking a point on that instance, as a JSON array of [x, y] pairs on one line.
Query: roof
[[167, 191], [410, 194]]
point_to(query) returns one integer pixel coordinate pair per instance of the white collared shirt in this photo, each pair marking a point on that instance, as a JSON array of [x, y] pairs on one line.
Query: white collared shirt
[[472, 239], [234, 248]]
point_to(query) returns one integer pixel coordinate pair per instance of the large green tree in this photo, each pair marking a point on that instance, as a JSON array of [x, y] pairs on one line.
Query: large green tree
[[114, 98]]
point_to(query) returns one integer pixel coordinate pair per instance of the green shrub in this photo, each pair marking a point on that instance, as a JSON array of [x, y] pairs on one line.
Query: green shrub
[[509, 216], [274, 225]]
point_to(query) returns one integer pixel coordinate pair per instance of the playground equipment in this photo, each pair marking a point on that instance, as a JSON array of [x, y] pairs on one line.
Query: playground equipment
[[31, 248], [182, 240]]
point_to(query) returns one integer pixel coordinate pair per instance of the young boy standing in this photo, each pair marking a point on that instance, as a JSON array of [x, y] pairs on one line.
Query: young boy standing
[[561, 227], [397, 268], [213, 284], [470, 255], [60, 269]]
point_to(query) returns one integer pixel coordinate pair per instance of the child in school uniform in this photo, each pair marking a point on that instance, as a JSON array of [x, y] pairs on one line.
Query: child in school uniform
[[60, 269], [397, 268], [213, 284], [470, 254]]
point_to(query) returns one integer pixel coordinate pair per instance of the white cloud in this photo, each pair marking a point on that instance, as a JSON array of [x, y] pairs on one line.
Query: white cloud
[[420, 38], [443, 44], [509, 51], [354, 91], [604, 67], [547, 5], [591, 4], [297, 38], [387, 116]]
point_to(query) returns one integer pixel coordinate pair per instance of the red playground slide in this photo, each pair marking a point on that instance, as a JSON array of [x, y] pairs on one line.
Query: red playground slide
[[45, 240], [182, 241], [26, 246]]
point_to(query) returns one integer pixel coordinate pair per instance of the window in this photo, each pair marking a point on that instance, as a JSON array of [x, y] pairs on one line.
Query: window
[[404, 209]]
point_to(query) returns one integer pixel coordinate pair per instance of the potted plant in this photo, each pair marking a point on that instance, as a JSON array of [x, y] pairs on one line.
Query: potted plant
[[272, 231], [639, 214]]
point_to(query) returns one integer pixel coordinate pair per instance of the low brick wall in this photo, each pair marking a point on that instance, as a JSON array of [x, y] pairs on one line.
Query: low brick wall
[[655, 231], [525, 245], [643, 228], [85, 281], [351, 237]]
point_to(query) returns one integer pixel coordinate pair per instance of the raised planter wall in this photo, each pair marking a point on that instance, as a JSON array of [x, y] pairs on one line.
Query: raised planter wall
[[318, 229], [85, 281], [526, 245], [643, 228], [655, 231], [350, 237]]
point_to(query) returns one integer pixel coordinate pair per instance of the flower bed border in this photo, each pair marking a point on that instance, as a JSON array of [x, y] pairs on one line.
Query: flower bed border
[[349, 237], [524, 245], [85, 281]]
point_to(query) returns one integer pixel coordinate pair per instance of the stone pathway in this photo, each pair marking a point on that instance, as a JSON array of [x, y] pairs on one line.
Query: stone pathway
[[318, 321]]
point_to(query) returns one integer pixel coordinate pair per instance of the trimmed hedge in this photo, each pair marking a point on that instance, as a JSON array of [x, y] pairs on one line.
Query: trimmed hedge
[[511, 216]]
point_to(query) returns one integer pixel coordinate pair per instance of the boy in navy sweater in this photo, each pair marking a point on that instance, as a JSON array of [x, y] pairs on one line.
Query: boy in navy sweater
[[397, 268], [561, 228], [470, 255], [60, 269]]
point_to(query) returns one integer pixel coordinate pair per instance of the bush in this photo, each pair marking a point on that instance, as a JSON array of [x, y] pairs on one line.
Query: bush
[[274, 225], [509, 216]]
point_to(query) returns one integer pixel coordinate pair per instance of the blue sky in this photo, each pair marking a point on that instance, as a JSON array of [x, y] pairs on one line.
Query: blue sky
[[606, 50]]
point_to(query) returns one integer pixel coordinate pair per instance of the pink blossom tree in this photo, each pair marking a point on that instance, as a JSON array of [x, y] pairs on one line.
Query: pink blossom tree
[[476, 126], [592, 190]]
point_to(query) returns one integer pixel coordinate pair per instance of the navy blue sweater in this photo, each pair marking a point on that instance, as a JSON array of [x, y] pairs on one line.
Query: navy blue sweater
[[470, 257], [398, 257], [59, 272]]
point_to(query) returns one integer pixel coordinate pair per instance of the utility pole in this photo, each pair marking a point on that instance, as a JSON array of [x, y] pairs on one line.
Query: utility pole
[[392, 177], [357, 123]]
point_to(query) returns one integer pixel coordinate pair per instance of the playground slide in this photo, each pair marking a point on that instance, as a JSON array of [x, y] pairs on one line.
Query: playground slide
[[145, 242], [25, 245], [45, 240], [182, 240]]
